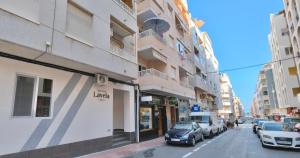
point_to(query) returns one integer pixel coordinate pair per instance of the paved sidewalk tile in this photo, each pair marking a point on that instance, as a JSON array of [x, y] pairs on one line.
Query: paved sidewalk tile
[[127, 150]]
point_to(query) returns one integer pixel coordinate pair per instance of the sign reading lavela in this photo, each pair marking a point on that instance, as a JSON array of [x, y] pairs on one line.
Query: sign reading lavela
[[101, 95]]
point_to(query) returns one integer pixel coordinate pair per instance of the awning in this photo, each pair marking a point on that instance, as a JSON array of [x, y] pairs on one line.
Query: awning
[[159, 25]]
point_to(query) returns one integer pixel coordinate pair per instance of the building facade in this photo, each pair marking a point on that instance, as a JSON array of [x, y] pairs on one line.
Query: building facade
[[284, 67], [238, 107], [265, 92], [125, 70], [166, 65], [66, 68], [227, 97], [292, 12]]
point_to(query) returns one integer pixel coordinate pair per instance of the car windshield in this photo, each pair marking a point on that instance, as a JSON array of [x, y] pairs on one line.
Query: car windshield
[[276, 127], [260, 123], [259, 120], [200, 119], [182, 126], [291, 120]]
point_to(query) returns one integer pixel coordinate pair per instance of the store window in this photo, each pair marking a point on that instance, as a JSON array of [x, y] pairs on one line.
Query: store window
[[145, 119], [32, 93]]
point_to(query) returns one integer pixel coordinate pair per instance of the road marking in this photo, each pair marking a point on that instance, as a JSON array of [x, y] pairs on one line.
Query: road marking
[[196, 149], [187, 155], [203, 145]]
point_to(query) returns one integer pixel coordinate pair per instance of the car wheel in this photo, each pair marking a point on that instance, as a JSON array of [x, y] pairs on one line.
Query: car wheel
[[263, 145], [211, 135], [202, 138], [193, 143], [168, 143]]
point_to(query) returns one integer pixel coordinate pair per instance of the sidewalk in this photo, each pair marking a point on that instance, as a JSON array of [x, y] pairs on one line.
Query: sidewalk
[[127, 150]]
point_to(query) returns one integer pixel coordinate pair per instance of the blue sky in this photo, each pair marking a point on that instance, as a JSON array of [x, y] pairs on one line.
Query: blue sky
[[239, 32]]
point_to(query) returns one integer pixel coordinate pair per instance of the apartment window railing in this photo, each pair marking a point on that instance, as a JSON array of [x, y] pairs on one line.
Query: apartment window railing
[[122, 52], [125, 7], [150, 32], [153, 72]]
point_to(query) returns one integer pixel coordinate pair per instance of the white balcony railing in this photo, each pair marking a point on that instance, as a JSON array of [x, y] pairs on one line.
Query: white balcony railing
[[126, 7], [153, 72], [150, 32]]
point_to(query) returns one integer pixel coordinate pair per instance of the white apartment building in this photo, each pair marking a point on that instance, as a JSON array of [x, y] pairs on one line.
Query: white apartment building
[[227, 96], [292, 12], [285, 71], [256, 111], [52, 101], [265, 91], [238, 107], [166, 65], [206, 78], [212, 74]]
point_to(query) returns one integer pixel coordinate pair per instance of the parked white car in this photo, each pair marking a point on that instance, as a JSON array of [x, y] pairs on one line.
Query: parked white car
[[279, 135], [221, 125], [207, 121]]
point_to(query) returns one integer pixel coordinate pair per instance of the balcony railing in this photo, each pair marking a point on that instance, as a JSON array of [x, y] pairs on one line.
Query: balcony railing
[[188, 82], [125, 7], [122, 52], [153, 72], [150, 32]]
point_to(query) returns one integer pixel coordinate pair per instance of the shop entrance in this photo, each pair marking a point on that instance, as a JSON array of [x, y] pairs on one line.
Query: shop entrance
[[161, 120], [120, 110]]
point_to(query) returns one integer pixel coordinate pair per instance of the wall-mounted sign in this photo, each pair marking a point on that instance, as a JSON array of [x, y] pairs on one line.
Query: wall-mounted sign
[[101, 95], [146, 98], [196, 108]]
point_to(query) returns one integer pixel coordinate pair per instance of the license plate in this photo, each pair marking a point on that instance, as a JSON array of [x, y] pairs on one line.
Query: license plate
[[284, 142], [175, 140]]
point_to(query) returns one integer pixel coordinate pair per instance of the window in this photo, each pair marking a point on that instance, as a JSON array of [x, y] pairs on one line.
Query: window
[[28, 9], [32, 92], [171, 41], [142, 68], [170, 9], [145, 119], [293, 71], [173, 73], [24, 96], [285, 31], [180, 48], [265, 92], [79, 23], [44, 98], [296, 91]]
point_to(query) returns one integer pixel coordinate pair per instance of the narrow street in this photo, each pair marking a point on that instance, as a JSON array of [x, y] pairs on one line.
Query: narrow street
[[235, 143]]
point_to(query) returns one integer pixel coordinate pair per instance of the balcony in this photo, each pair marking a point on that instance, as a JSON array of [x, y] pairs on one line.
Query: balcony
[[187, 82], [152, 45], [225, 95], [151, 33], [127, 5], [200, 83], [154, 81], [148, 9], [186, 62], [226, 103]]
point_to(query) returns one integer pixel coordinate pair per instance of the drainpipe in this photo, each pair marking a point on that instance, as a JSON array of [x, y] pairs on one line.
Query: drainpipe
[[137, 112]]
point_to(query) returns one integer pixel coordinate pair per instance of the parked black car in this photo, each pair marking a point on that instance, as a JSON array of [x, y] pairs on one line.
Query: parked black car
[[184, 133]]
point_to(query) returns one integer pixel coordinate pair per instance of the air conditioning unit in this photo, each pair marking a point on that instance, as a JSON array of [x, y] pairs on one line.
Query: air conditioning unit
[[101, 79]]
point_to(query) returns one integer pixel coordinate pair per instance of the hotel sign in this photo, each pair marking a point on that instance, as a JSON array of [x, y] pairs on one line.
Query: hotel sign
[[101, 95]]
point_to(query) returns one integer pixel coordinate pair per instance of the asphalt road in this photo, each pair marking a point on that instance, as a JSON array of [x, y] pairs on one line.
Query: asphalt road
[[235, 143]]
